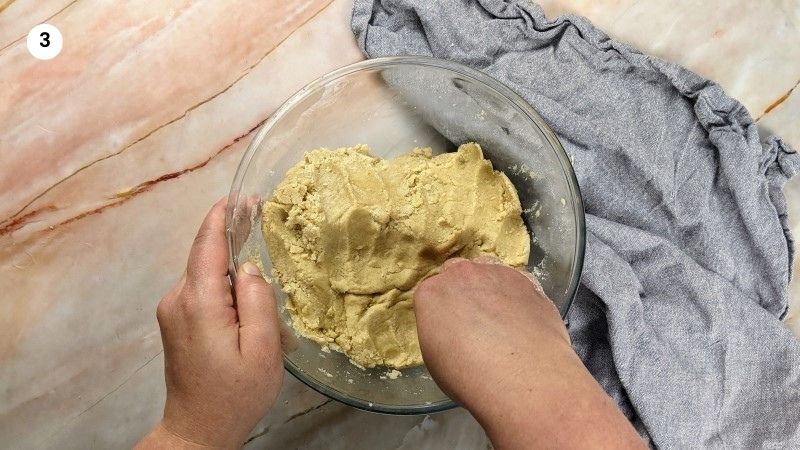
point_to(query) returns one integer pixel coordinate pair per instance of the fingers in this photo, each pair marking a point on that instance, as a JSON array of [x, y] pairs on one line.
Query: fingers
[[452, 262], [252, 201], [482, 259], [208, 259], [488, 259], [493, 260], [536, 284], [258, 312]]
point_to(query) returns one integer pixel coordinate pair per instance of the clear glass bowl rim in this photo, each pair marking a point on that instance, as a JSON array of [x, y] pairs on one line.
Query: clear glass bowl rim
[[380, 63]]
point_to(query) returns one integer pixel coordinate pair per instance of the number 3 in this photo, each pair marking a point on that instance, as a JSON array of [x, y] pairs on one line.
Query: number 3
[[45, 39]]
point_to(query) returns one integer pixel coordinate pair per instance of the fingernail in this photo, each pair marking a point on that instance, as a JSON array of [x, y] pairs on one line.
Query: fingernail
[[250, 269]]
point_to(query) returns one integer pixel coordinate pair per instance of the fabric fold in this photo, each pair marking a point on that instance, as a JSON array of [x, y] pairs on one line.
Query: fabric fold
[[688, 247]]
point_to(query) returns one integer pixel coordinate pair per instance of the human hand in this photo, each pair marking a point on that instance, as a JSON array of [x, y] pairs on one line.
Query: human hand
[[488, 316], [223, 364], [497, 345]]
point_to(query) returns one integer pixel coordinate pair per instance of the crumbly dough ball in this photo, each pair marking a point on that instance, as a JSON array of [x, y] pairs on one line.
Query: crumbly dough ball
[[350, 237]]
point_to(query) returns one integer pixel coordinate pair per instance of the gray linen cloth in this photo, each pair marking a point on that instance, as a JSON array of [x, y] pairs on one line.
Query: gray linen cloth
[[688, 255]]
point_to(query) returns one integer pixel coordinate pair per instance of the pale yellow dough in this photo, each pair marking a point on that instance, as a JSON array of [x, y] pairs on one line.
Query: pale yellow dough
[[350, 237]]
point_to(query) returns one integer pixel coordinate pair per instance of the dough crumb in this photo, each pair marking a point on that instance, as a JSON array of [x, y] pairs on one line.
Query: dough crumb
[[355, 363], [350, 236]]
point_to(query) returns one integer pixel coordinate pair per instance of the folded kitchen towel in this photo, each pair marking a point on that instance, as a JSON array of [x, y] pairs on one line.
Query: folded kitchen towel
[[688, 250]]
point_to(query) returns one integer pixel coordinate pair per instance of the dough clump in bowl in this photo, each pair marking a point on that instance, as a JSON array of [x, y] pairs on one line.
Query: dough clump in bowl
[[350, 236]]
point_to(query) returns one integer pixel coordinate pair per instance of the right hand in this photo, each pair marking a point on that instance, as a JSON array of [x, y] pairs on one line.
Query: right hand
[[487, 317], [497, 345]]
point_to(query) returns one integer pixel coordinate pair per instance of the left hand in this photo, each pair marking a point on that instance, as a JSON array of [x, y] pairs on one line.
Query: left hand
[[223, 363]]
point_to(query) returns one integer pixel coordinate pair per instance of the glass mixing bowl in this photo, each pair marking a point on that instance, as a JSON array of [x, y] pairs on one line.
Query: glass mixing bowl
[[394, 104]]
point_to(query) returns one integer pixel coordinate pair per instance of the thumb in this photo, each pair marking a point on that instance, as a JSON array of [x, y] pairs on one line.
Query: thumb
[[258, 313]]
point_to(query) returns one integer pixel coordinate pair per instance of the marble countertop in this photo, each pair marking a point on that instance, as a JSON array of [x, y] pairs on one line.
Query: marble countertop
[[111, 153]]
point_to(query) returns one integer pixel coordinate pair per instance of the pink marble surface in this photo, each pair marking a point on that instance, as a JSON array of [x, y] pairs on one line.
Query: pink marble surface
[[111, 153]]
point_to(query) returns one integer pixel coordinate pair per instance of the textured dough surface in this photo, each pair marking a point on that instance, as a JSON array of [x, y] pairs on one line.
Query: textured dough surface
[[351, 235]]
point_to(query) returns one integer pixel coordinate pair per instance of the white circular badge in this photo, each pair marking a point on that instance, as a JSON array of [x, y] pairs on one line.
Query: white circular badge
[[45, 41]]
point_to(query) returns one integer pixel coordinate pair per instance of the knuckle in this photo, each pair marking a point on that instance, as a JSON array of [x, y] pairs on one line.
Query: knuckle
[[166, 306], [163, 310]]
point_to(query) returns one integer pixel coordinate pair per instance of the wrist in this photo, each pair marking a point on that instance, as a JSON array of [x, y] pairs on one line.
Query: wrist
[[529, 397], [557, 404], [161, 437], [198, 426]]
